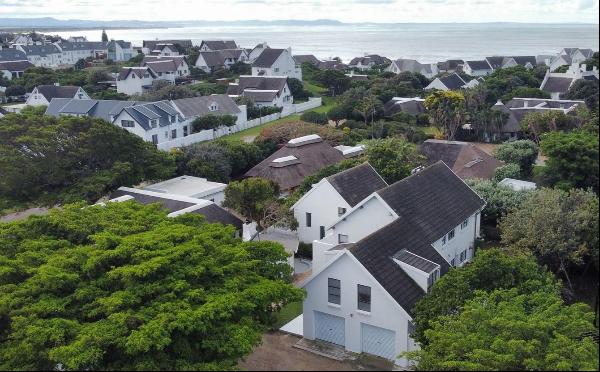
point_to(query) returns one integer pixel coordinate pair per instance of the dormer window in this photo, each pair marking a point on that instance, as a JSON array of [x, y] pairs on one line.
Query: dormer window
[[451, 235], [153, 123], [213, 106], [146, 75], [433, 277]]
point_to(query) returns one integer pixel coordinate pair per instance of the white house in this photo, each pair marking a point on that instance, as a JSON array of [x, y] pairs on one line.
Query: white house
[[383, 255], [176, 66], [212, 45], [451, 82], [119, 50], [368, 62], [43, 94], [151, 46], [558, 83], [210, 61], [428, 70], [135, 80], [331, 197], [276, 62], [71, 52], [256, 51], [14, 69], [12, 55], [216, 104], [47, 55], [477, 68], [266, 91], [193, 187]]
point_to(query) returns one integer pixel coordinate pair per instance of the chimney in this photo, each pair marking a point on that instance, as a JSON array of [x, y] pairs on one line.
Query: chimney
[[583, 67], [525, 103], [57, 84]]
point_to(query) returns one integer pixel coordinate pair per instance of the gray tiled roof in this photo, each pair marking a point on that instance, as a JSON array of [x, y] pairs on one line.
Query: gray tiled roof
[[261, 95], [257, 82], [53, 91], [219, 44], [15, 66], [357, 183], [416, 261], [267, 57], [125, 71], [199, 106], [82, 45], [151, 44], [40, 50], [11, 54], [306, 58], [479, 65], [452, 81], [412, 107], [145, 112], [557, 84], [102, 109], [495, 61]]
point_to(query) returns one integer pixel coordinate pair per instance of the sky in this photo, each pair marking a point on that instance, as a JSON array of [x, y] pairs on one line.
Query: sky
[[544, 11]]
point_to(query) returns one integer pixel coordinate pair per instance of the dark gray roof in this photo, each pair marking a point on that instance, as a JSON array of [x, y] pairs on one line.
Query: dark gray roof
[[161, 66], [11, 54], [267, 57], [212, 212], [139, 71], [40, 50], [151, 44], [413, 107], [357, 183], [429, 204], [416, 261], [371, 58], [435, 199], [261, 95], [177, 60], [102, 109], [523, 60], [219, 44], [217, 58], [53, 91], [452, 81], [512, 123], [145, 112], [15, 66], [557, 84], [495, 62], [331, 65], [479, 65], [464, 158], [83, 45], [306, 58], [257, 82], [451, 64], [199, 106]]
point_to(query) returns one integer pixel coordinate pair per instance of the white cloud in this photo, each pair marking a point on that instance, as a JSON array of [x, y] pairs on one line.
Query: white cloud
[[343, 10]]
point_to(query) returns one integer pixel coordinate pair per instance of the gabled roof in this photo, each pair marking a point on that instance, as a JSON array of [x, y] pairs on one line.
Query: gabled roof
[[162, 66], [452, 81], [199, 106], [434, 199], [523, 60], [555, 84], [312, 156], [151, 44], [495, 62], [265, 83], [216, 58], [40, 50], [261, 95], [177, 60], [512, 122], [11, 54], [479, 65], [465, 159], [15, 66], [138, 71], [102, 109], [268, 57], [82, 45], [371, 58], [413, 106], [145, 112], [357, 183], [219, 44], [54, 91]]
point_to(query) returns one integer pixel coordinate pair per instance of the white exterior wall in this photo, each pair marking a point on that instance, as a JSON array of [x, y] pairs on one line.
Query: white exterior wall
[[463, 239], [36, 99], [133, 85], [436, 84], [284, 65], [385, 312], [183, 70], [322, 201], [467, 70]]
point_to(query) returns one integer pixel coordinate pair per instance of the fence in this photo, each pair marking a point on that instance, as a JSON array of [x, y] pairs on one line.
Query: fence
[[209, 134]]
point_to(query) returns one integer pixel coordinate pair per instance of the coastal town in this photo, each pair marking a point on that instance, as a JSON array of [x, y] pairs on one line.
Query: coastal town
[[201, 204]]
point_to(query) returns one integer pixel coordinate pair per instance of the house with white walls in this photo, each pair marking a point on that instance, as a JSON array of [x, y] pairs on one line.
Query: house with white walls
[[150, 46], [46, 55], [71, 52], [558, 83], [135, 80], [265, 91], [14, 69], [568, 57], [383, 255], [212, 45], [477, 68], [217, 104], [332, 197], [209, 61], [256, 51], [276, 62], [192, 187], [174, 65], [12, 55], [43, 94], [429, 70], [452, 81], [368, 62], [119, 50]]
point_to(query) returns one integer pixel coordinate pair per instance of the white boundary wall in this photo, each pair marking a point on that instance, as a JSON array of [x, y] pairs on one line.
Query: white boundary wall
[[207, 135]]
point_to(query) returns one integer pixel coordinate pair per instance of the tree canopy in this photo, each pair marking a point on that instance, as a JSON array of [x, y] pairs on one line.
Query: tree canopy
[[49, 160], [393, 158], [521, 152], [447, 109], [123, 287]]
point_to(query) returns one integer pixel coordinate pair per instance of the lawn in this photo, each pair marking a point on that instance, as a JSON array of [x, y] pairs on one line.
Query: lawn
[[253, 132], [433, 130], [287, 314]]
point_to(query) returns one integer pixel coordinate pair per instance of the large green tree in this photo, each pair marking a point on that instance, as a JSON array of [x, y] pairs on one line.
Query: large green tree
[[447, 109], [499, 199], [123, 287], [48, 160], [507, 330], [393, 158], [522, 152], [490, 270], [572, 159], [559, 228]]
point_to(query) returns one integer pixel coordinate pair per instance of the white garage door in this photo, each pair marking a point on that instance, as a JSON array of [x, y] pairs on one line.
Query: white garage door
[[330, 328], [378, 341]]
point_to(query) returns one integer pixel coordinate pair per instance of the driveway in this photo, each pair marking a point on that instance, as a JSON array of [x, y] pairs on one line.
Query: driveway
[[277, 353]]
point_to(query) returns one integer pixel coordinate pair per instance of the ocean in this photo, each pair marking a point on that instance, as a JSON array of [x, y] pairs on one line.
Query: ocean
[[423, 42]]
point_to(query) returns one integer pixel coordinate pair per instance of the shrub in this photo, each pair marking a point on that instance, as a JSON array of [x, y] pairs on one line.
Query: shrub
[[314, 117]]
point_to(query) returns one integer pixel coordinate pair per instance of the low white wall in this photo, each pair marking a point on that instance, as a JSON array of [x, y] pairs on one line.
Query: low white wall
[[207, 135]]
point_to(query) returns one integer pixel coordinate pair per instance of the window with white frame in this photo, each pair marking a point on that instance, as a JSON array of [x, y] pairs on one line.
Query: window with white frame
[[341, 211], [463, 255], [153, 123], [342, 238], [433, 277], [451, 234], [364, 298], [308, 219], [464, 224], [127, 123], [213, 106]]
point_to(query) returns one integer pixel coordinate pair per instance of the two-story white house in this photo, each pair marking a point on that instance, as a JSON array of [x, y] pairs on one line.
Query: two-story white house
[[332, 197], [71, 52], [119, 50], [276, 62], [46, 55], [429, 70], [255, 52], [212, 45], [135, 80], [14, 69], [209, 61], [43, 94], [265, 91], [175, 65], [383, 255]]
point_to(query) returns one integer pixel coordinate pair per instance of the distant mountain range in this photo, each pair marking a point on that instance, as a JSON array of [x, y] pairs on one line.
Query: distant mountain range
[[49, 23]]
